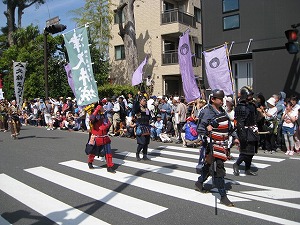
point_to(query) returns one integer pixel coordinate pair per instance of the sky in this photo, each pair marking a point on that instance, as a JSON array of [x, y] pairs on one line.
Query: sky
[[50, 9]]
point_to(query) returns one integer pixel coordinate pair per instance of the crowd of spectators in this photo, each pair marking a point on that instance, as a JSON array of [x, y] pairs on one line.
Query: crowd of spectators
[[172, 118]]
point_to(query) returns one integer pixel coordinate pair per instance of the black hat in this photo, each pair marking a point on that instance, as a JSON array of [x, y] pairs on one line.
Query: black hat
[[217, 93], [245, 92]]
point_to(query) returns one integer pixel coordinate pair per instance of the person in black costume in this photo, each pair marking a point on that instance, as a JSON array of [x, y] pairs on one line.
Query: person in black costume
[[142, 115], [247, 130]]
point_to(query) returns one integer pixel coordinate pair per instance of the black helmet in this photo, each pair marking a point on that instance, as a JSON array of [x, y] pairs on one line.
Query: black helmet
[[246, 92], [217, 93]]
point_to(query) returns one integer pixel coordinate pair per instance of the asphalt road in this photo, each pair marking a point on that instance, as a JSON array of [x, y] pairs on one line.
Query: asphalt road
[[44, 179]]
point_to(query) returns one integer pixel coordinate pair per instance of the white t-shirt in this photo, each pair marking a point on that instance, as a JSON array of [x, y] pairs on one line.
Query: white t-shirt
[[272, 112], [293, 113]]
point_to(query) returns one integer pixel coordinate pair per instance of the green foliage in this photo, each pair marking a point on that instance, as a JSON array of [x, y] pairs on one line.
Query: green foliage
[[98, 15], [109, 90], [30, 48]]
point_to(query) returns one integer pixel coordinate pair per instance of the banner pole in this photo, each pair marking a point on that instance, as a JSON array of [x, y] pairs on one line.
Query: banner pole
[[211, 49], [230, 71]]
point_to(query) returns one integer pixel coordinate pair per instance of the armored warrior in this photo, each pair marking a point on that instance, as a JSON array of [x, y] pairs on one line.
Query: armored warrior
[[214, 127], [99, 140], [14, 119], [247, 130]]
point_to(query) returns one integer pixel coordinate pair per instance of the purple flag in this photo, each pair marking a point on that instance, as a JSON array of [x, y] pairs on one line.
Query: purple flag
[[70, 78], [137, 76], [217, 70], [190, 88]]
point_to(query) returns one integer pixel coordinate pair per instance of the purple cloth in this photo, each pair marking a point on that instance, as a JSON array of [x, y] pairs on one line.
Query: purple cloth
[[190, 88], [70, 78], [217, 70], [137, 76]]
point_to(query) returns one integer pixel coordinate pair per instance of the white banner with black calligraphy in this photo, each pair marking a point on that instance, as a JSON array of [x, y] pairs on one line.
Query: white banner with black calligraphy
[[19, 78], [85, 86]]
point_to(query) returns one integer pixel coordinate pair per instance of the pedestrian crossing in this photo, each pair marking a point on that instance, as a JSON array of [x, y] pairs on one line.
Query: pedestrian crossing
[[162, 164]]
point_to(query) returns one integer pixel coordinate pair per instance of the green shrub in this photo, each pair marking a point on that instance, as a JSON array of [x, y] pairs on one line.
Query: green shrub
[[109, 90]]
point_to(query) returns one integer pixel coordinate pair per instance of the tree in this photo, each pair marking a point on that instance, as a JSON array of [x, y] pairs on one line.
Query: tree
[[98, 15], [128, 35], [29, 48], [10, 14], [23, 4]]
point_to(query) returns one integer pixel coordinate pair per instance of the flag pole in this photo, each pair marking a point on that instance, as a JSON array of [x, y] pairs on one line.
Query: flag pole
[[230, 71], [211, 49]]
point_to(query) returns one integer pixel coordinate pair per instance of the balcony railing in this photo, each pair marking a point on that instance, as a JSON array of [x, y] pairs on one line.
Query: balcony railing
[[175, 16], [171, 57]]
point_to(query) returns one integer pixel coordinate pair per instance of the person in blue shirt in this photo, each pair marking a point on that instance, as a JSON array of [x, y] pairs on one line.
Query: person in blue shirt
[[189, 135], [157, 128]]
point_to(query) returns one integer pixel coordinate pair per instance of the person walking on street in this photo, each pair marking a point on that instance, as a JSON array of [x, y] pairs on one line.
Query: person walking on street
[[245, 118], [142, 115], [99, 138], [214, 126]]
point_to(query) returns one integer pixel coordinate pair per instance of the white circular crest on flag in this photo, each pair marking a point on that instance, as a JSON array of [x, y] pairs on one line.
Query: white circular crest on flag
[[184, 49], [214, 63]]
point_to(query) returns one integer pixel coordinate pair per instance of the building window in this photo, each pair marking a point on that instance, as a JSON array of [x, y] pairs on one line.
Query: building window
[[230, 5], [119, 52], [168, 6], [198, 50], [197, 13], [231, 22], [116, 18]]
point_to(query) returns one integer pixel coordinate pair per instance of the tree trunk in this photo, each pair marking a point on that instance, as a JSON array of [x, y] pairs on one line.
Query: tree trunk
[[20, 13], [10, 15], [128, 35]]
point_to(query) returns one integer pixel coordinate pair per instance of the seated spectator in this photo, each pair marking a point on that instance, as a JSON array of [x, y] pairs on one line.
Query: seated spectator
[[130, 126], [169, 130], [77, 122], [189, 135], [156, 128]]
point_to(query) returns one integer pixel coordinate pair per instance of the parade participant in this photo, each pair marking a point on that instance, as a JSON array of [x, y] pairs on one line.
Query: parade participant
[[14, 120], [245, 118], [99, 125], [142, 115], [214, 127]]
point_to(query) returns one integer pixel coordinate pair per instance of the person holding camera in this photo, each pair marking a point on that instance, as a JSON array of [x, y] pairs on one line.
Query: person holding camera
[[214, 127]]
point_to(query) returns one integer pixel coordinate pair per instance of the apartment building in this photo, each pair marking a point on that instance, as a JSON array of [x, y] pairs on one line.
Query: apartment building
[[159, 24], [255, 33]]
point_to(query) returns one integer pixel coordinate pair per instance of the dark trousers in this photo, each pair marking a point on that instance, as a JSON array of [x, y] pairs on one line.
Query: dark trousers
[[141, 147], [179, 127], [219, 174], [246, 158], [271, 142]]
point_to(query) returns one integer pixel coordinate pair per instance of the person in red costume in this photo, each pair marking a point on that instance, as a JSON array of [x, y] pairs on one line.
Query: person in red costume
[[99, 138]]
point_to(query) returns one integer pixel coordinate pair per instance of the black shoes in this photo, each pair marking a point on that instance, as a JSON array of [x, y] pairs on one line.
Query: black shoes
[[225, 201], [91, 166], [110, 170], [145, 157], [236, 171], [250, 172]]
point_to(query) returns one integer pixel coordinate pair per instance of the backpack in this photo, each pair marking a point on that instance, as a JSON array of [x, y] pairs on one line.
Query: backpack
[[193, 131]]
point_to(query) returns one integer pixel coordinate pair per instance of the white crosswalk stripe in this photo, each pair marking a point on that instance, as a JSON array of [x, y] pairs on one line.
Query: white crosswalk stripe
[[33, 199], [180, 161], [174, 191], [118, 200]]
